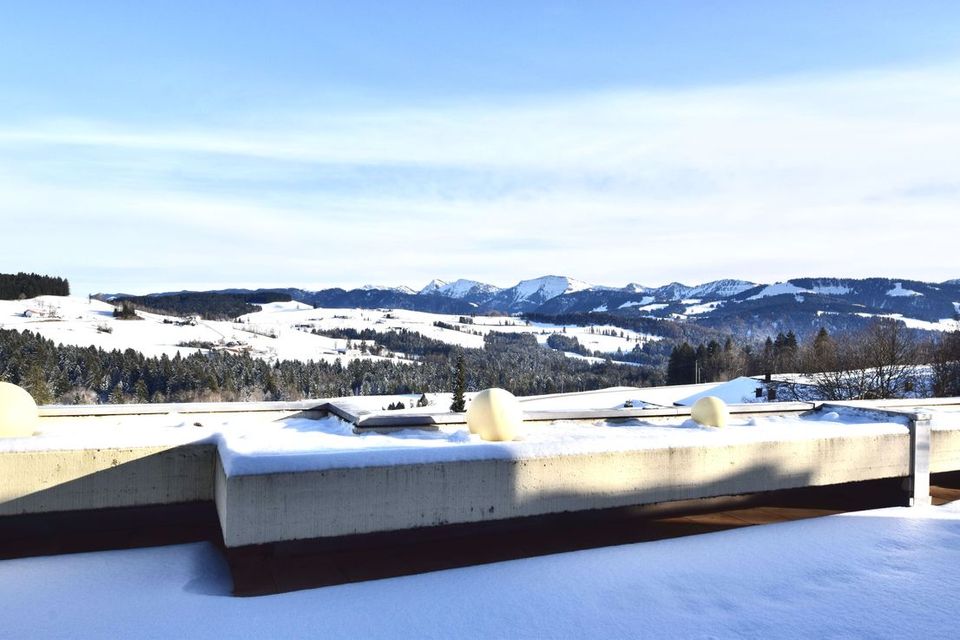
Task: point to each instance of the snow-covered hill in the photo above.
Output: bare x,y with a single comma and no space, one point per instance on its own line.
282,330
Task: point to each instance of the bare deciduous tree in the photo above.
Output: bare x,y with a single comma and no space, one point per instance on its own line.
878,363
945,365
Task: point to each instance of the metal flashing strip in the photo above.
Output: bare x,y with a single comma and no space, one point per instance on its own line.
85,411
387,421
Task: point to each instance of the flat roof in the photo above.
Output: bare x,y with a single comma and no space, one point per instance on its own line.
290,438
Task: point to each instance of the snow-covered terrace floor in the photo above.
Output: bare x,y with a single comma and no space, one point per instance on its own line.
875,574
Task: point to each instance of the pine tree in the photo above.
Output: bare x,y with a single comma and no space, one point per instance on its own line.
140,390
38,387
824,353
116,396
682,365
459,405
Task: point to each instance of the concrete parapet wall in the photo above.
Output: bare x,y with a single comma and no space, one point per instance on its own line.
72,480
289,506
273,507
944,450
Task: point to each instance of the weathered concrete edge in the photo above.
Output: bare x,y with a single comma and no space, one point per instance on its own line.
86,479
336,502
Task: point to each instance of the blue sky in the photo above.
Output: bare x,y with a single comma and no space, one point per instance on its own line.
153,146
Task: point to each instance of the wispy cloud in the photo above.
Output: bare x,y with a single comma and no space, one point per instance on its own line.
763,180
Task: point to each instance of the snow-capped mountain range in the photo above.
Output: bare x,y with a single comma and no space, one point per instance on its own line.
462,289
749,306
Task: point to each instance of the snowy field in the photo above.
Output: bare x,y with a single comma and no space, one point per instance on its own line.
280,331
889,573
945,324
82,322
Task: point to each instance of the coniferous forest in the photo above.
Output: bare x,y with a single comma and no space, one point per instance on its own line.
69,374
30,285
210,305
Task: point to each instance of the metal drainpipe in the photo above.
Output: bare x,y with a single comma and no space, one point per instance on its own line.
919,480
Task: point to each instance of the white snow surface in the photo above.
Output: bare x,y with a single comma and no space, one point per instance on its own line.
778,289
269,334
251,445
645,300
596,360
547,287
721,288
379,287
945,324
899,291
282,330
831,290
456,289
942,418
874,574
737,391
706,307
653,307
433,286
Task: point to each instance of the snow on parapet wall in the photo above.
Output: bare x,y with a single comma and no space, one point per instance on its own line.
250,444
899,292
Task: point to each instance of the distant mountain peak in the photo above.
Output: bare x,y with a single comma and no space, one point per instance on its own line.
433,287
546,287
672,291
377,287
460,288
720,288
